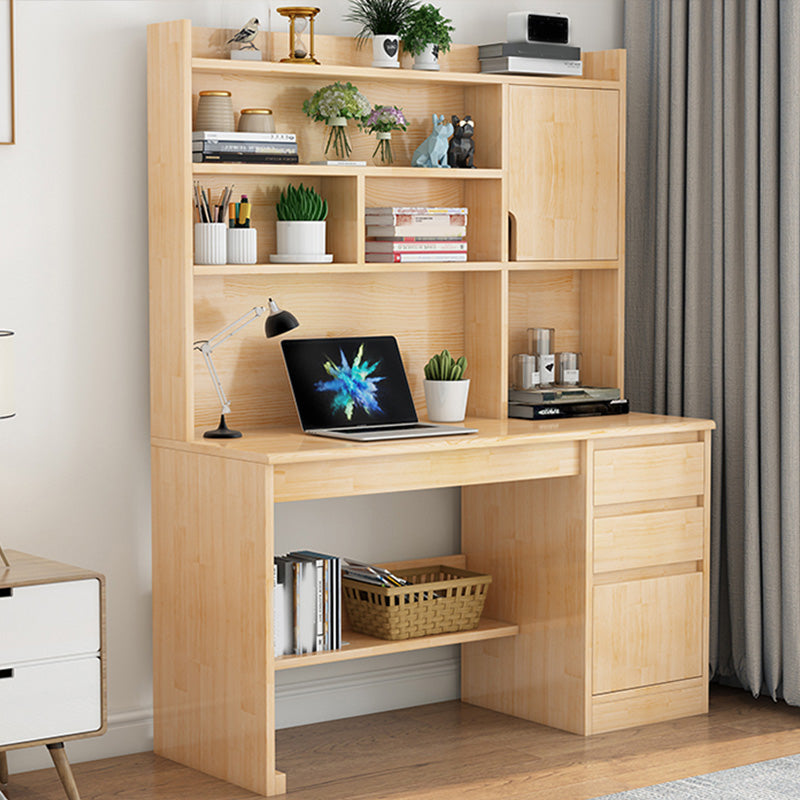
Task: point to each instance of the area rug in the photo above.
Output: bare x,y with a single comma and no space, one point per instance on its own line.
778,779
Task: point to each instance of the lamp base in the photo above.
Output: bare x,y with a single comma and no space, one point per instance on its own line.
222,431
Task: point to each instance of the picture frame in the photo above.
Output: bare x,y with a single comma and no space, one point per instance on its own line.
7,129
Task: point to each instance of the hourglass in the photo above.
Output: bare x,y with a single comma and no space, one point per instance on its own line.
301,25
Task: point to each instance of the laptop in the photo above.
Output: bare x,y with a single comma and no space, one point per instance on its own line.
355,388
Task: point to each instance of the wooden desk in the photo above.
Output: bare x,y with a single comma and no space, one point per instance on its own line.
594,530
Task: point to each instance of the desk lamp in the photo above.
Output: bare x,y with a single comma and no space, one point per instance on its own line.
6,389
278,322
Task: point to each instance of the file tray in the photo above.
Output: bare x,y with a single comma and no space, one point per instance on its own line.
440,600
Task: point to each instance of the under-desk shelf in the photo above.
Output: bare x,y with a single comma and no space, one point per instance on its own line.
362,646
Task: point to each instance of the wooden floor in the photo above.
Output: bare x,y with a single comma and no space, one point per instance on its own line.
451,751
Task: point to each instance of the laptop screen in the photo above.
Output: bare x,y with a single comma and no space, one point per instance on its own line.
348,382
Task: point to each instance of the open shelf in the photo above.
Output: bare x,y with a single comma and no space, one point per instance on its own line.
320,171
362,646
224,270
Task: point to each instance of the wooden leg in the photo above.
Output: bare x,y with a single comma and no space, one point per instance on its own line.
3,767
59,756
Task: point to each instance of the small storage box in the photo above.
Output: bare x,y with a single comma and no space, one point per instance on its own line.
441,600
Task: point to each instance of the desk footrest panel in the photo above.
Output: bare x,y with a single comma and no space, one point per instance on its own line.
44,701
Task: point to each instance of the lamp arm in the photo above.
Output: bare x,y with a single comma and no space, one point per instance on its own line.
223,399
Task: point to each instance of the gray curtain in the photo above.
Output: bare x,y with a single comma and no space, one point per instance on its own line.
713,294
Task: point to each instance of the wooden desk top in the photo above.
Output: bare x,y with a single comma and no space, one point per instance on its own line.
291,446
28,570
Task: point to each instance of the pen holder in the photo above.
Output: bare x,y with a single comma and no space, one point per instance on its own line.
242,245
209,243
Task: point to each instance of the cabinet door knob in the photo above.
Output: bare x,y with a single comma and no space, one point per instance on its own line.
6,673
6,592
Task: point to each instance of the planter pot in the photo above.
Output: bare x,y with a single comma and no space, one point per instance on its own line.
385,49
428,58
301,241
446,400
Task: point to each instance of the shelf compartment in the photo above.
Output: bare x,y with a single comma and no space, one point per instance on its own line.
223,270
362,646
318,170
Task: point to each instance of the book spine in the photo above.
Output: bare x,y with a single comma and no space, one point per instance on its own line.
416,247
417,230
382,211
319,643
450,240
278,148
422,220
245,158
277,612
241,136
564,52
296,589
413,258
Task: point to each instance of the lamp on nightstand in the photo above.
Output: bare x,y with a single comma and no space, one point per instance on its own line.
6,389
278,322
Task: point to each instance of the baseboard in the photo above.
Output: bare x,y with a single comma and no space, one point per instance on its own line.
299,703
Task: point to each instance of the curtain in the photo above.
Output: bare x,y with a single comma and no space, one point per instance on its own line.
713,295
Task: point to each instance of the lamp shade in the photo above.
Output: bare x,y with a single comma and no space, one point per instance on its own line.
6,374
278,321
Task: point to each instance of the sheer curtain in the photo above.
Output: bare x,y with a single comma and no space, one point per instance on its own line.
713,305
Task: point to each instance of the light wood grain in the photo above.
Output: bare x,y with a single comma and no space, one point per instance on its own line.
563,181
170,227
639,540
647,632
212,616
61,763
649,473
601,326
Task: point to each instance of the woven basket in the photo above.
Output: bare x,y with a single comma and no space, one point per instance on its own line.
452,600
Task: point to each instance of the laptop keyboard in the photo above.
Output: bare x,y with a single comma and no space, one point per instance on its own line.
383,428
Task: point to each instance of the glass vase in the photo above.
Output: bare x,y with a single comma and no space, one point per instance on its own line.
337,138
383,149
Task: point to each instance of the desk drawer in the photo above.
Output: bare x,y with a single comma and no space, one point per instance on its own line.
644,540
647,632
42,701
49,621
631,474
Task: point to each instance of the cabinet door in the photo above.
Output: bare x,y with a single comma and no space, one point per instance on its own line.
647,631
564,176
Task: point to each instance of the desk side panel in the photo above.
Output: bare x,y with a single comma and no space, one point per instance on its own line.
531,537
212,616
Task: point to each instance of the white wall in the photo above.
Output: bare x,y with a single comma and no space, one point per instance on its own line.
74,463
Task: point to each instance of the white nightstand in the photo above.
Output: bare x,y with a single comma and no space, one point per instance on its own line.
52,658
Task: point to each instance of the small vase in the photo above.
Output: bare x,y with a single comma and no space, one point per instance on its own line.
385,49
383,150
337,138
428,58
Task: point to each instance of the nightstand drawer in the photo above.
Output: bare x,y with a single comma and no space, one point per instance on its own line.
49,620
644,540
631,474
43,701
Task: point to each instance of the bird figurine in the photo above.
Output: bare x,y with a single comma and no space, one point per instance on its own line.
246,34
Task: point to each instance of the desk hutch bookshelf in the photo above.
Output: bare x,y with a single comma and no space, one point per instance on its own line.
595,530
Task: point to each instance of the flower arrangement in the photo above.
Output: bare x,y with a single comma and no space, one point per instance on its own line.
382,121
378,17
423,26
334,105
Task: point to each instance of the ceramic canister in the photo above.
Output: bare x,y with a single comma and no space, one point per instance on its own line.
256,120
214,112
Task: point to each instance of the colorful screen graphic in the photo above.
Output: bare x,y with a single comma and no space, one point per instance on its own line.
347,382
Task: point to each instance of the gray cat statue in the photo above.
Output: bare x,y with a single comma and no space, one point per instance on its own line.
462,148
433,151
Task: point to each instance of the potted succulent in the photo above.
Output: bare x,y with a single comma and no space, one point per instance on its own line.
334,105
382,20
446,388
300,226
425,34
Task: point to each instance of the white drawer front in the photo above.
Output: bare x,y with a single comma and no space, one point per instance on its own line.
50,620
41,701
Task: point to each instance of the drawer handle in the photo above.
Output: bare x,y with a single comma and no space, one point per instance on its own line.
6,592
6,673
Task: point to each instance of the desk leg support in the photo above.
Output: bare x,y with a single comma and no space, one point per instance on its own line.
3,768
64,770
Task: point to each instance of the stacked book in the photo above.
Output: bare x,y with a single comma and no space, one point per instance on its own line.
534,58
307,613
398,235
249,148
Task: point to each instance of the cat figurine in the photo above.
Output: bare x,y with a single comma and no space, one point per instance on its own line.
433,151
462,148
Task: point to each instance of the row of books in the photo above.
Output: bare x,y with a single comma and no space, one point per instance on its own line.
535,58
399,234
230,147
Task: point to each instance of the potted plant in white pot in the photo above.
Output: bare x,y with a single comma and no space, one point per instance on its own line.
446,388
425,34
300,228
382,20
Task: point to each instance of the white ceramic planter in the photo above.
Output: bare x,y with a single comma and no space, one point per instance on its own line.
301,238
428,58
446,400
385,51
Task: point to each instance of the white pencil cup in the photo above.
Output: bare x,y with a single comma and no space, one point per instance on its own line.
242,245
209,243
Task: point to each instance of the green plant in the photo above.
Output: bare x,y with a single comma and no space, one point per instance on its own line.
335,104
442,367
379,17
423,26
301,204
